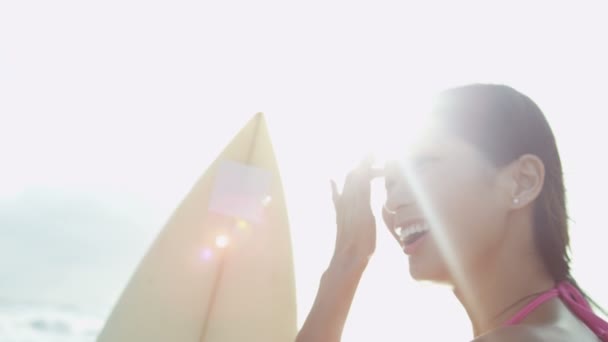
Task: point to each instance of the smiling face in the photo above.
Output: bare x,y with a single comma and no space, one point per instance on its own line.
446,185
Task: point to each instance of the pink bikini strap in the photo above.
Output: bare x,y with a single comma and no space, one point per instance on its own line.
519,316
581,308
575,301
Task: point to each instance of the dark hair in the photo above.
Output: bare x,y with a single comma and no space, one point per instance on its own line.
506,124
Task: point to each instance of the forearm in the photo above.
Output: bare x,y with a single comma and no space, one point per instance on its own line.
326,319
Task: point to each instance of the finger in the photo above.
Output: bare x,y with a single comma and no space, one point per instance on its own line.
376,172
356,198
349,194
364,193
349,183
336,200
356,194
364,184
334,192
366,167
362,200
369,175
358,183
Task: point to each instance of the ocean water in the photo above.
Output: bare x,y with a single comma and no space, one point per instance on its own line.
42,323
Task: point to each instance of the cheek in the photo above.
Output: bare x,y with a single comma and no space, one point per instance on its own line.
466,205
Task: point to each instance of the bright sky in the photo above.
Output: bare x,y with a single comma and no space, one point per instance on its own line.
110,111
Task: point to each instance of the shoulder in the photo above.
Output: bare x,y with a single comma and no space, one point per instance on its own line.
523,333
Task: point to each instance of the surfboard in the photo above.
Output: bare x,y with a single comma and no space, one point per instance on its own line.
221,270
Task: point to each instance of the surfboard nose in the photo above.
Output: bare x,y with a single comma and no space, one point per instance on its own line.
222,268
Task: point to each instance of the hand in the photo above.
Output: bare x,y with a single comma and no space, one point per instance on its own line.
356,224
355,243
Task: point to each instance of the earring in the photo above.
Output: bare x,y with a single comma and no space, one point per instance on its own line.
516,200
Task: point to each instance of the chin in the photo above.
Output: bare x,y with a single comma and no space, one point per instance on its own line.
429,272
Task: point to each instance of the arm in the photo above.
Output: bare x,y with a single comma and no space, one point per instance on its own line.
326,319
355,243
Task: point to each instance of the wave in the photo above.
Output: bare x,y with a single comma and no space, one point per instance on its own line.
43,323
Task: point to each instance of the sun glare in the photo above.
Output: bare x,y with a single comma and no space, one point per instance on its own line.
222,241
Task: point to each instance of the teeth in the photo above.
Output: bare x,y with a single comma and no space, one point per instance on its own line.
405,232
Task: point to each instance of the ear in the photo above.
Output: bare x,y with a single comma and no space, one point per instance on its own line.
528,176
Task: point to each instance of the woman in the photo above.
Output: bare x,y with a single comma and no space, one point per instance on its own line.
479,205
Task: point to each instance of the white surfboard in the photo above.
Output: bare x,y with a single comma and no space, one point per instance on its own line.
221,270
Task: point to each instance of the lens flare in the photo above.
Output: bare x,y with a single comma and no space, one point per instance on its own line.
206,254
242,224
266,201
446,247
222,241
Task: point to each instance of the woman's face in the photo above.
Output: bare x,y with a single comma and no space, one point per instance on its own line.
449,186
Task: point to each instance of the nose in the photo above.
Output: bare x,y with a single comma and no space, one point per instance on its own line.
399,199
399,193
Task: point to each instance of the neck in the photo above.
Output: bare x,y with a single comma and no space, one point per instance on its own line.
504,284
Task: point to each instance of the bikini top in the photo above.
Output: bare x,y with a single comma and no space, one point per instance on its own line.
575,302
